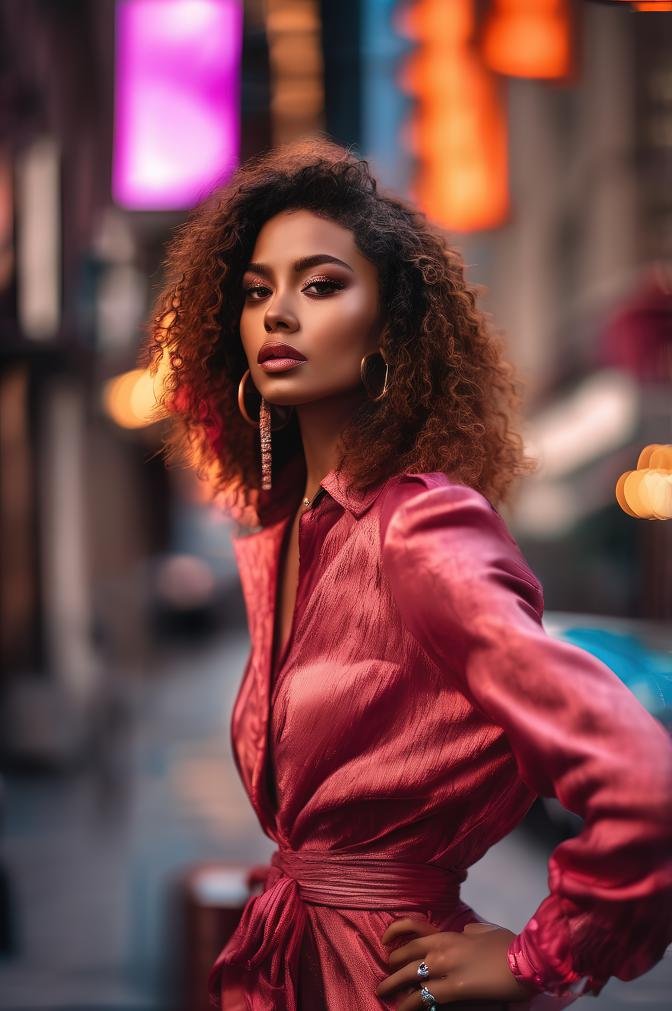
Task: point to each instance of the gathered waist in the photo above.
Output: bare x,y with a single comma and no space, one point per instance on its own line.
358,881
262,955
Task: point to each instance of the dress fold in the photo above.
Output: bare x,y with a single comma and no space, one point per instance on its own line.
417,712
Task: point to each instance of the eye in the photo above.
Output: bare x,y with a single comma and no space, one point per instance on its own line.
326,285
250,289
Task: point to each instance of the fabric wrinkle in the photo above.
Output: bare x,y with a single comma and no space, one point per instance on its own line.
416,714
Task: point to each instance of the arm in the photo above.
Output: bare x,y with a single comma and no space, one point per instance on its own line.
466,593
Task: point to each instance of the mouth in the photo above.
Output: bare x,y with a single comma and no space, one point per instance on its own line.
278,352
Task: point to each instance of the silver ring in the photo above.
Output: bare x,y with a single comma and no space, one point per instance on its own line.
427,997
423,970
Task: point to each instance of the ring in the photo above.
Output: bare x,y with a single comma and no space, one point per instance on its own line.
427,997
423,970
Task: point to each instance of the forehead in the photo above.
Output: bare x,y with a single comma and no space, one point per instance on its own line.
289,235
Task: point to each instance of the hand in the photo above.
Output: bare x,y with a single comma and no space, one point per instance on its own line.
469,965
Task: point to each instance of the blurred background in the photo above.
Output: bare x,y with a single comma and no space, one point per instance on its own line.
539,136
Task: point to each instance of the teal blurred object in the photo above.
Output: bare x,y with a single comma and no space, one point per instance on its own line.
646,672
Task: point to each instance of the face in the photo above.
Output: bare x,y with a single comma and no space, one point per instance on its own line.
326,308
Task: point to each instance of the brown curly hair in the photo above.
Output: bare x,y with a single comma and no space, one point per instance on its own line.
452,396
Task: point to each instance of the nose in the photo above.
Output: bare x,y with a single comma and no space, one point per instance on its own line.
279,317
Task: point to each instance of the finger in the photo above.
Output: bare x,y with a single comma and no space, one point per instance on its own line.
407,977
407,925
414,951
413,1001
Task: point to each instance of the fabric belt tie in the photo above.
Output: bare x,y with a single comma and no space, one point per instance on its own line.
262,955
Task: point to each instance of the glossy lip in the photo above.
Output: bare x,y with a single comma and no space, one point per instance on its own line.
279,364
276,349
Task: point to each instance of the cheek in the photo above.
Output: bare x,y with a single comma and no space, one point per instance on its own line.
342,323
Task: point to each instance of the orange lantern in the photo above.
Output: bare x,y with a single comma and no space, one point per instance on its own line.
529,38
458,130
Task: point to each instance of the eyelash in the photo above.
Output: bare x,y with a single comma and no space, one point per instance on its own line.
336,285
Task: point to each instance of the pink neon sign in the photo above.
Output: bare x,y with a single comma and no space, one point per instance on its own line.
176,118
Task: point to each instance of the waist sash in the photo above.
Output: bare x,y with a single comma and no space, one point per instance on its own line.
262,956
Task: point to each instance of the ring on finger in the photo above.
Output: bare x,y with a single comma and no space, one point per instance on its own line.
423,970
427,997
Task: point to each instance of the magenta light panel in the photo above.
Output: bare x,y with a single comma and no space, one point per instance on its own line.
176,118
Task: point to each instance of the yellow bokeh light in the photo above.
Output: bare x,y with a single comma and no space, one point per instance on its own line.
646,493
132,399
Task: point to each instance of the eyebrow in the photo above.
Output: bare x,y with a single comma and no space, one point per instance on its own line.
303,264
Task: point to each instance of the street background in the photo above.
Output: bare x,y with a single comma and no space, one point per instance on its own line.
539,136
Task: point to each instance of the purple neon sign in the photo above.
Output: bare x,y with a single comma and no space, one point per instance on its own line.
176,119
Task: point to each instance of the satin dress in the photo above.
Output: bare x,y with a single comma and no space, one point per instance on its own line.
416,712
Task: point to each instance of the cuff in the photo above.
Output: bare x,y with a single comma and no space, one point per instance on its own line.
554,982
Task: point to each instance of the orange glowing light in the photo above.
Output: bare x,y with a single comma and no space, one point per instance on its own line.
661,5
620,494
131,399
529,38
646,493
458,130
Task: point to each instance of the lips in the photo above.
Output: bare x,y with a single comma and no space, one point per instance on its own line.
275,349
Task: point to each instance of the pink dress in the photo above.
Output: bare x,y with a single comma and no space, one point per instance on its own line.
417,711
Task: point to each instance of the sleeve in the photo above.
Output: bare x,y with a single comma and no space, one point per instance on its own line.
466,593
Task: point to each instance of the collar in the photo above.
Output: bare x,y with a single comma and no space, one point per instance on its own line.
335,484
285,497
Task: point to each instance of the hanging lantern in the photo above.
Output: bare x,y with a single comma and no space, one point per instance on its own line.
529,38
457,132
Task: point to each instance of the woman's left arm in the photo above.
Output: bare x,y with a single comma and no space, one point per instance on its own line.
466,593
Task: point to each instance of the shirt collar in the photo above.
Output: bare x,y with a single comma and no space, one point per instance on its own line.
291,481
335,483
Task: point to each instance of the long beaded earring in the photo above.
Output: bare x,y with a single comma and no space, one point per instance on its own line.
264,424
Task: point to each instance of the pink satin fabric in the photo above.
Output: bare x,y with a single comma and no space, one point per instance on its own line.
417,710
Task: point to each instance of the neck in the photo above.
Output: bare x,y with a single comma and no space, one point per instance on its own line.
321,424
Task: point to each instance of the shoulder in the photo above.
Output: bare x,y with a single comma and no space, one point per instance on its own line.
431,516
406,496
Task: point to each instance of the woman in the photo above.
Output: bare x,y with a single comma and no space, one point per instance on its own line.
402,707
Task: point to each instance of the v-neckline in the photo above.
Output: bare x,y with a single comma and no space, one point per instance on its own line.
277,662
276,666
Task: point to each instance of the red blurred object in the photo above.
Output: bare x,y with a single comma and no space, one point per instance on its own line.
211,899
638,336
529,38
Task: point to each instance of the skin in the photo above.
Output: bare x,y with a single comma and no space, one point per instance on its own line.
464,966
329,312
332,326
334,322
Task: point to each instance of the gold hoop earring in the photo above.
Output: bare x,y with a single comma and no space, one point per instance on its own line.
264,424
243,409
362,369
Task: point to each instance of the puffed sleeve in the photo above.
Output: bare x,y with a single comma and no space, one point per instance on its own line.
466,593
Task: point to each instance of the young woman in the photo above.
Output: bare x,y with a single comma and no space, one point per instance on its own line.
402,706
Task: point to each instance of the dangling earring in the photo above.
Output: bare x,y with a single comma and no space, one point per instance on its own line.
362,369
264,425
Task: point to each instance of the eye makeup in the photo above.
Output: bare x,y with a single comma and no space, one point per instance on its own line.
331,282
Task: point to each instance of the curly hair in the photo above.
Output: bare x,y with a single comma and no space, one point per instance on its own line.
452,398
